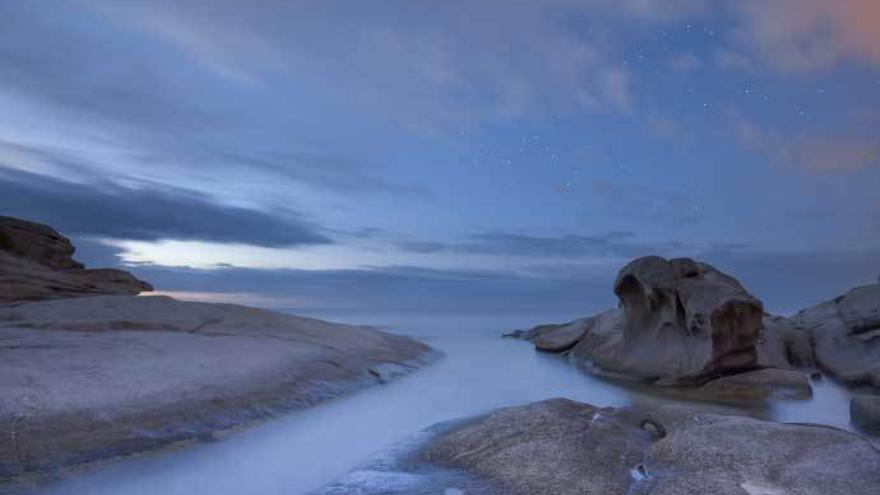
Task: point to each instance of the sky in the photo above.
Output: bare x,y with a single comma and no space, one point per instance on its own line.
473,156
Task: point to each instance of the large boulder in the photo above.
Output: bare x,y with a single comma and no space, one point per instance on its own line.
36,263
846,335
562,447
678,321
684,322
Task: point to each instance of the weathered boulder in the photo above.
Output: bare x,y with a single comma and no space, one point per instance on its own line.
683,322
783,344
36,263
846,335
864,411
760,384
679,321
562,447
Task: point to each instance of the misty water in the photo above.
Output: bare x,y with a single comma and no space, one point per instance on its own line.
305,450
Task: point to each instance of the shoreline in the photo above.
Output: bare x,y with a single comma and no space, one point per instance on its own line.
42,445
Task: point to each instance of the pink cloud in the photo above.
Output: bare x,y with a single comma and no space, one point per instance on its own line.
797,35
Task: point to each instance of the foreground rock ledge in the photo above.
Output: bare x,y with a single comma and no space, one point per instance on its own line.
562,447
91,378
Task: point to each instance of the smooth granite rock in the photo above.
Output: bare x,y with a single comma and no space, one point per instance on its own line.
561,447
90,378
679,321
846,335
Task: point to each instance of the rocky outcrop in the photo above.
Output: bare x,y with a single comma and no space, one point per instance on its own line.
846,335
683,322
90,378
865,412
562,447
678,322
36,263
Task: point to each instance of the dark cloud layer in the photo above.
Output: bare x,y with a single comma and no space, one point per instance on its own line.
568,246
110,210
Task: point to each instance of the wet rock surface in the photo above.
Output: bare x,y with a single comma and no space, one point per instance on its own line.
36,263
562,447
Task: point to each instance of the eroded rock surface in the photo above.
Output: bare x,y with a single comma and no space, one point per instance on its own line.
562,447
846,335
36,263
683,322
96,377
678,321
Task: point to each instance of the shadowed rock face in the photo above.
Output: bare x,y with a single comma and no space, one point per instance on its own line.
36,262
846,335
678,321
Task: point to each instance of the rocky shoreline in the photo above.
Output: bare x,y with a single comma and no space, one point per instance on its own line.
97,376
564,447
684,323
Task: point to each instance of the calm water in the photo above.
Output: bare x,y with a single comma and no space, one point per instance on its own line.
308,449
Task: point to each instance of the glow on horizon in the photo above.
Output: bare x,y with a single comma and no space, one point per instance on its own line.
210,255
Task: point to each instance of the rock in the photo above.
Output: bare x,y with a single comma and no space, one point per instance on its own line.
38,243
864,411
679,321
561,447
558,447
562,337
535,332
783,344
846,335
89,378
36,263
760,384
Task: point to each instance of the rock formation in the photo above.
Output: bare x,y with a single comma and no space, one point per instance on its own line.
36,262
846,335
562,447
671,450
683,322
678,321
89,378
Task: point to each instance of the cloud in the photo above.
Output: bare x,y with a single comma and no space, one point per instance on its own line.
672,207
798,35
105,209
785,281
815,152
572,246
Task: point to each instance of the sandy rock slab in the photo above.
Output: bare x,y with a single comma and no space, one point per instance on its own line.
92,378
562,447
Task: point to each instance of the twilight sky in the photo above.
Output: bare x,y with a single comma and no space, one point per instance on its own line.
499,155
